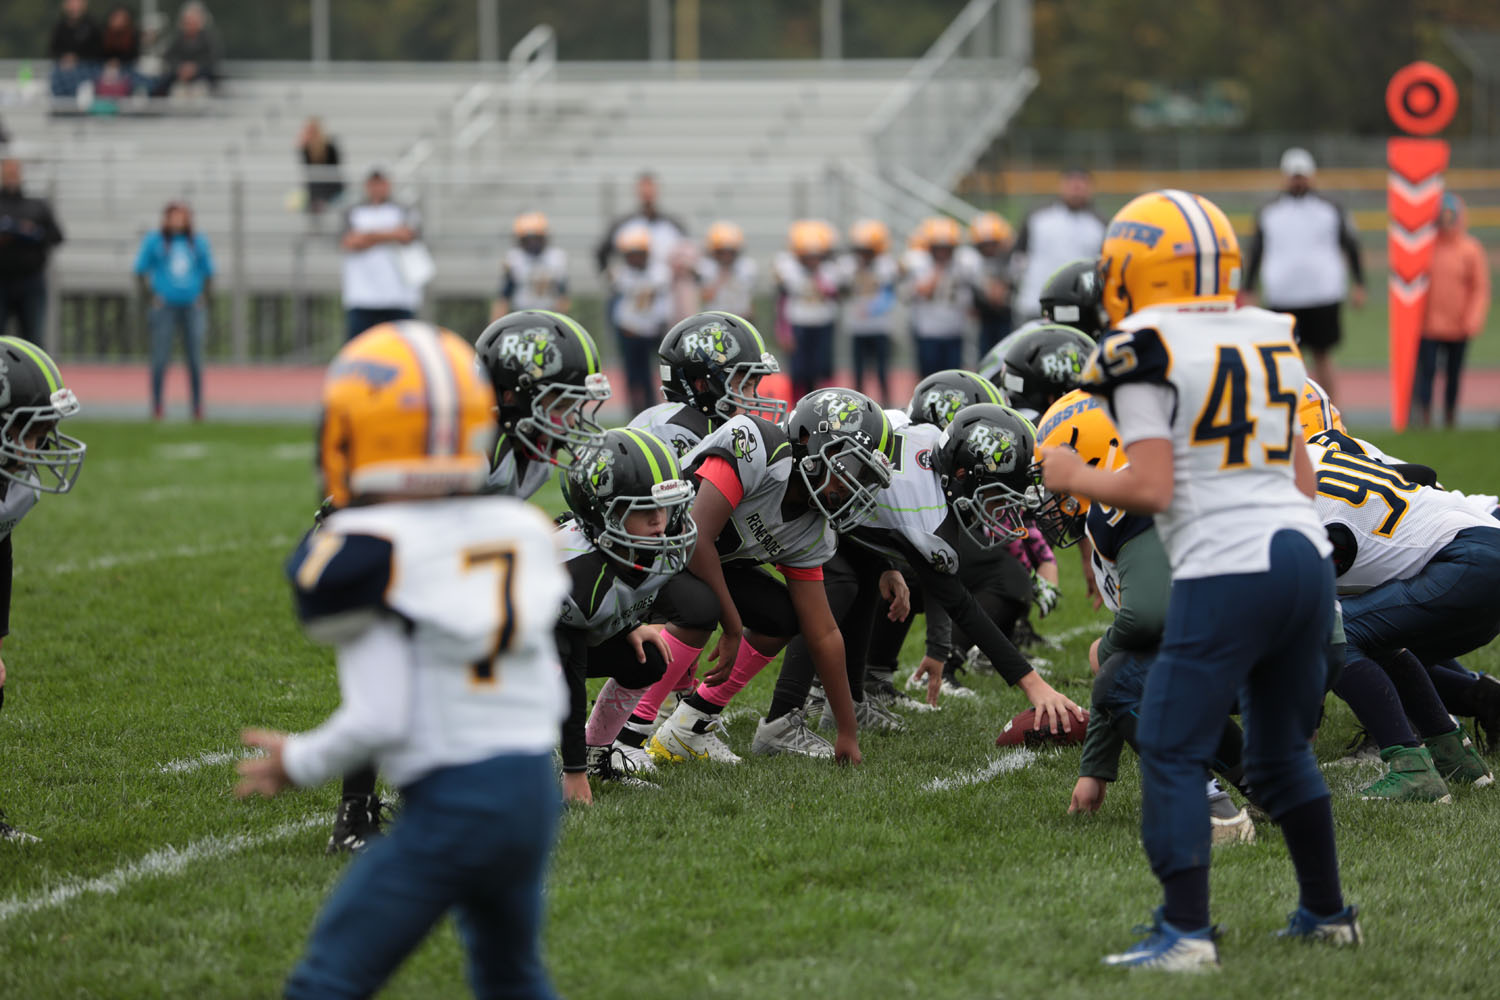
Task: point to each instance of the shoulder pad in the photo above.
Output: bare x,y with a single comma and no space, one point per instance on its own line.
1110,529
1126,356
589,578
1336,440
335,574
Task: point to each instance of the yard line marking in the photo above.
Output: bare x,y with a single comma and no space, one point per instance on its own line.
1075,632
167,861
153,555
291,451
1004,764
206,759
182,451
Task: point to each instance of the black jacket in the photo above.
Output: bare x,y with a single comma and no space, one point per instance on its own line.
78,38
28,232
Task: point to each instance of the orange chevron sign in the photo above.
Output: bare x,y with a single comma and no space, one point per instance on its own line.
1421,99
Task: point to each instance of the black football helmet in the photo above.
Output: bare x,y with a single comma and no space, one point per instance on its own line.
988,474
940,396
1043,365
843,445
713,362
551,366
994,359
624,472
33,452
1072,297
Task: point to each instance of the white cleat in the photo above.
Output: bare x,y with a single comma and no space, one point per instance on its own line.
789,734
638,758
690,735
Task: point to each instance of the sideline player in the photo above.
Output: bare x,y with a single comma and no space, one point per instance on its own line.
441,605
1205,399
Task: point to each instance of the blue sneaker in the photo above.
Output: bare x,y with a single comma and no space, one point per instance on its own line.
1340,929
1169,949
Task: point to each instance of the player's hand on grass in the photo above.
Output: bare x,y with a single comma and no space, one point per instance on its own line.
644,635
894,589
723,657
932,669
846,749
1088,796
262,775
1055,711
576,788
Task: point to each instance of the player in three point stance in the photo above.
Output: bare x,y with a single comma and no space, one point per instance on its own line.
35,458
629,538
441,605
1205,398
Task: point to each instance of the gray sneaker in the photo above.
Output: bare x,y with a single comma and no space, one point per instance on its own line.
882,692
789,734
868,716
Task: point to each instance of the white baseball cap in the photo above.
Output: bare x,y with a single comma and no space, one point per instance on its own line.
1298,162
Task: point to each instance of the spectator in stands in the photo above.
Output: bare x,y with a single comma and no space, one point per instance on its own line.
1054,234
1304,249
868,276
640,297
986,264
175,269
665,231
807,283
1458,299
28,232
119,50
320,158
942,299
535,272
375,286
726,276
74,48
192,56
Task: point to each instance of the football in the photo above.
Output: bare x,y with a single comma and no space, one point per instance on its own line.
1022,731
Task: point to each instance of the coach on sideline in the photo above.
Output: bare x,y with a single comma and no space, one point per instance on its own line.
1304,249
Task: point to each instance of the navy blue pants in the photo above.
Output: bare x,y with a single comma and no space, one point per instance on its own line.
1262,637
1450,608
936,354
474,839
872,351
638,355
812,358
25,298
357,321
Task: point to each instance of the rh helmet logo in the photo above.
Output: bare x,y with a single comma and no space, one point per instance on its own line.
710,343
1065,363
997,447
534,350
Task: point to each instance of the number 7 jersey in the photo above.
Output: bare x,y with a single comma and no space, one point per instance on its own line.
1231,380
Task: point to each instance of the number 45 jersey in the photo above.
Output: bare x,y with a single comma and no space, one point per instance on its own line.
1222,384
476,584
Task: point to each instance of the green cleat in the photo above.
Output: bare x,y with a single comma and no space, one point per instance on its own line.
1456,759
1411,778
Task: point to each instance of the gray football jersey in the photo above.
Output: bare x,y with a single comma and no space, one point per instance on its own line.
678,424
758,529
17,501
601,604
913,506
504,477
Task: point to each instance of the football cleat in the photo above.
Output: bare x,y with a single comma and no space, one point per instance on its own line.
1486,698
1168,949
789,734
955,688
669,705
868,716
10,833
610,763
1361,750
1411,778
690,735
1341,929
355,825
1456,759
882,692
639,759
1230,823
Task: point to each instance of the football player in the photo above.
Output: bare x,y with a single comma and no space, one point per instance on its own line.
1204,395
726,275
779,494
534,275
548,386
629,536
868,276
1071,297
441,605
35,458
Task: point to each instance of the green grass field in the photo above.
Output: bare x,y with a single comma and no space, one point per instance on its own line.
151,623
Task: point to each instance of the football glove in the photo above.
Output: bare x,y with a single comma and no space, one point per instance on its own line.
1043,594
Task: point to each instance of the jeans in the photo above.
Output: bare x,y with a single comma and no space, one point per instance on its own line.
357,321
165,321
1427,362
936,354
25,298
474,839
1272,654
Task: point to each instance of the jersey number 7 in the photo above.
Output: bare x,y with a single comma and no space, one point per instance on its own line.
1226,413
503,557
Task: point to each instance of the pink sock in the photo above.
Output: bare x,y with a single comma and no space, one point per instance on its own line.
611,709
682,660
747,664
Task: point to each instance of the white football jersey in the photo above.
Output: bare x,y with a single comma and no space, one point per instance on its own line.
757,530
1487,504
913,506
1232,379
870,305
643,304
515,473
1397,526
732,291
16,502
535,281
811,298
476,584
602,603
679,425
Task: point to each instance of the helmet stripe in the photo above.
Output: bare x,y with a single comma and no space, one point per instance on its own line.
590,352
656,475
989,388
442,387
1205,239
45,363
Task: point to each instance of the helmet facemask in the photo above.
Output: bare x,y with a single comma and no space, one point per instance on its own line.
994,513
1060,517
663,554
563,418
34,452
856,472
742,391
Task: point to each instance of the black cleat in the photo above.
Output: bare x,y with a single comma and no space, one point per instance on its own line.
356,824
1486,698
10,833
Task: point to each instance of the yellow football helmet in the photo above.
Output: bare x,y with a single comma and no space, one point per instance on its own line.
407,412
940,231
725,236
1168,246
1317,412
871,235
1079,421
989,227
811,237
634,238
530,224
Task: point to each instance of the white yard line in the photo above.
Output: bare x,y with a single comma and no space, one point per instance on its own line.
183,451
207,759
168,861
1004,764
113,560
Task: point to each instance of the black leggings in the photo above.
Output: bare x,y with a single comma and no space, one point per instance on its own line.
1427,362
887,637
872,350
